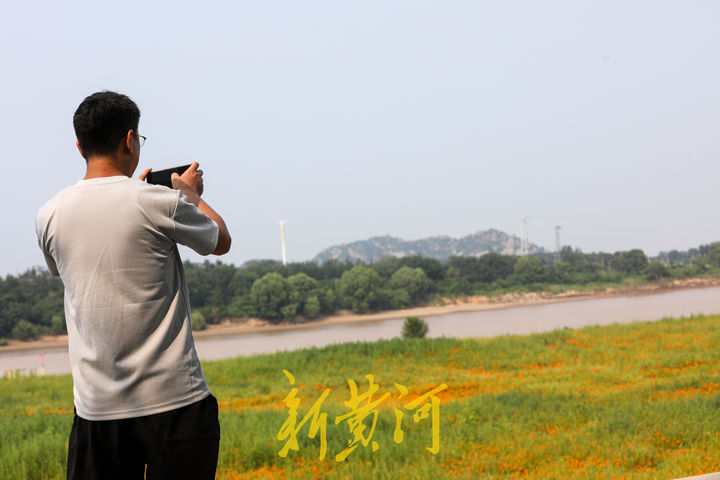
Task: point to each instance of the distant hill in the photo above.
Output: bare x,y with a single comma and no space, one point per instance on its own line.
441,248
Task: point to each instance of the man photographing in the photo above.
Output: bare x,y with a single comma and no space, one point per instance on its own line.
141,399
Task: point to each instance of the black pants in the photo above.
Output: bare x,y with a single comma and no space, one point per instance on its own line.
179,444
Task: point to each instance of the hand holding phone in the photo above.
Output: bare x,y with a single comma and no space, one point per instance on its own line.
191,179
164,177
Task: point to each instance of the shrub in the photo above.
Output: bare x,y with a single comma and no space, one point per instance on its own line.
3,342
414,327
25,330
197,321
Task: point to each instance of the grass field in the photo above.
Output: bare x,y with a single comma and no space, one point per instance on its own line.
639,401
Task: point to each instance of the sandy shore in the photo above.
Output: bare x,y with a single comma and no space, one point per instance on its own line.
446,306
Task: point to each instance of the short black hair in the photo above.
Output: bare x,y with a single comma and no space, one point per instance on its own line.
101,121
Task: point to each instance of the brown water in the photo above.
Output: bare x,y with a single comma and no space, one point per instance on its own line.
488,323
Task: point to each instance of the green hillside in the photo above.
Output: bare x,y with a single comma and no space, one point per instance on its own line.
438,248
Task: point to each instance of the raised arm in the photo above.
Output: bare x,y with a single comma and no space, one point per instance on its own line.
191,185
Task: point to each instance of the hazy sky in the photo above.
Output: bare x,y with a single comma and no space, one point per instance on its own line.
409,118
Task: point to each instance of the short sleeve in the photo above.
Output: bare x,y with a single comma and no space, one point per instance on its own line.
52,267
193,228
41,229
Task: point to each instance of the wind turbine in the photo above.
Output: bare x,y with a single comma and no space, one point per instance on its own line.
282,240
558,245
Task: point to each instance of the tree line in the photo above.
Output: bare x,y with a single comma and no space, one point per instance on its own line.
31,304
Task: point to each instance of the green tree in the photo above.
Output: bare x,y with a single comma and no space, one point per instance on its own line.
328,301
412,280
333,268
302,287
241,282
492,267
34,296
414,327
312,307
358,288
434,269
464,267
632,261
530,269
386,266
199,283
213,314
303,284
262,267
576,258
242,306
713,254
392,298
270,294
488,268
564,269
289,311
655,271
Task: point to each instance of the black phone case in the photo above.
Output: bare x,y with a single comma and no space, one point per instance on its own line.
162,177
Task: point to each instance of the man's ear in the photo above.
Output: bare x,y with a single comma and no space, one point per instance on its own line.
128,142
77,144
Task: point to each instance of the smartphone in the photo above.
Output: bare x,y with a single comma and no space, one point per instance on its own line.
162,177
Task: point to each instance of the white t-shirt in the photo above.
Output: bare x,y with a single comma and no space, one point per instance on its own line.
113,241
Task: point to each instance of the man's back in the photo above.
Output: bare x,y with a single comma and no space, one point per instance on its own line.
113,242
143,408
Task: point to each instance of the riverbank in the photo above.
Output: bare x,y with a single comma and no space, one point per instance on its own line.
443,307
472,303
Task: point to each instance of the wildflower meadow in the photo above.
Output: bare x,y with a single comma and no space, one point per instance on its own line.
636,401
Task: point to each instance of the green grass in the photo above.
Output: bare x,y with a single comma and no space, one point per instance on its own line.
638,401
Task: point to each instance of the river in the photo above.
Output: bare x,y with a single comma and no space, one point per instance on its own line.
486,323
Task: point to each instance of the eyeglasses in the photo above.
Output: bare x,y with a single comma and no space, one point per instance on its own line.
141,139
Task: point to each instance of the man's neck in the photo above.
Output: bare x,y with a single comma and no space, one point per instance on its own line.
98,167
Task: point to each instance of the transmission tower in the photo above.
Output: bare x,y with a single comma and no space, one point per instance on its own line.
524,237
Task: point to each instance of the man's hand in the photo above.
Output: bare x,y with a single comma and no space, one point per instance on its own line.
144,174
190,184
191,178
